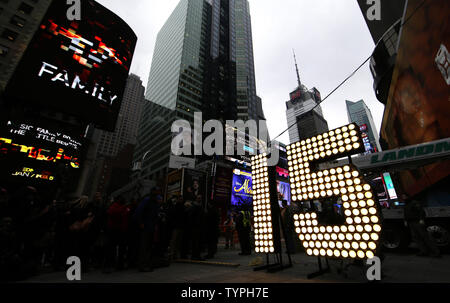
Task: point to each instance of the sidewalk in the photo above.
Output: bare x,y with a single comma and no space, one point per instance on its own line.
396,268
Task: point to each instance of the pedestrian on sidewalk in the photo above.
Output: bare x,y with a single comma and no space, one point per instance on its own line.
178,219
186,239
196,221
80,218
117,228
287,215
133,234
212,230
243,229
229,225
147,216
415,220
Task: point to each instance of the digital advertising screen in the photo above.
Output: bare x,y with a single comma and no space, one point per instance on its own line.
241,189
379,189
222,186
79,68
284,192
194,185
417,108
390,186
33,152
173,187
282,172
366,140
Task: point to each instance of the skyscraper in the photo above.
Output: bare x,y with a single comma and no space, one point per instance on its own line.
128,120
359,113
304,111
18,23
203,62
115,149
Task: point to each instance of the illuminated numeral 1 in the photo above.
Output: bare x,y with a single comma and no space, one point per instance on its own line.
262,211
358,237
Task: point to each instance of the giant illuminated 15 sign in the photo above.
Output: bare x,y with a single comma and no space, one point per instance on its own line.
358,237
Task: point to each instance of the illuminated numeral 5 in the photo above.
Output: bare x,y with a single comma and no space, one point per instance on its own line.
358,237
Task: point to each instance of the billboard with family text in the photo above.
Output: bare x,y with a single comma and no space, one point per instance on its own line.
79,68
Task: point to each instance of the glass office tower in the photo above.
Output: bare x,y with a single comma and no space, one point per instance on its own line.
359,113
203,62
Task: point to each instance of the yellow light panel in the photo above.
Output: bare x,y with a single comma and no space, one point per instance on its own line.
261,198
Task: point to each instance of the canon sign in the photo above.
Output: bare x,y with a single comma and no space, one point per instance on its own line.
76,67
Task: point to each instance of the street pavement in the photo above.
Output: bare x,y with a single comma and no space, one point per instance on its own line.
229,267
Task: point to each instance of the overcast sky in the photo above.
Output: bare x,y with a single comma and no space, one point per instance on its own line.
330,38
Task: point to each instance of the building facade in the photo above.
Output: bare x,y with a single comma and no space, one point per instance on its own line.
203,62
18,23
114,150
153,150
359,113
111,143
304,114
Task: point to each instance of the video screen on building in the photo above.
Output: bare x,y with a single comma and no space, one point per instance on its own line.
417,109
390,186
241,189
34,152
76,67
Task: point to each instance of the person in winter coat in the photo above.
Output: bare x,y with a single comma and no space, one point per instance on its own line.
178,219
117,227
147,216
229,225
196,222
415,220
212,222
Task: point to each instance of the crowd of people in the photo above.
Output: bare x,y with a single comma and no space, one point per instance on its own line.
115,234
145,233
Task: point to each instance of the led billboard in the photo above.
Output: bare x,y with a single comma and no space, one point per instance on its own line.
241,189
76,67
284,192
38,152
